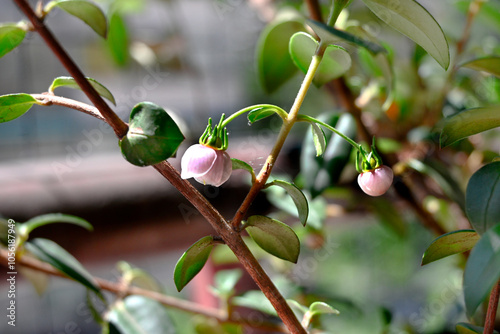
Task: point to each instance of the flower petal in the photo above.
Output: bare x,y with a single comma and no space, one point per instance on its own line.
197,161
376,182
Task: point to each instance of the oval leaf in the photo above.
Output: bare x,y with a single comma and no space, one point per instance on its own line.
336,61
488,64
319,139
139,314
414,21
71,83
274,237
449,244
297,196
118,39
11,35
192,261
153,135
50,252
85,11
259,113
463,328
469,122
238,164
322,308
482,270
274,64
14,105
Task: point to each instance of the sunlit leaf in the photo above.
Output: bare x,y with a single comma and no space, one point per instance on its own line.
482,270
51,218
118,39
297,196
336,61
274,64
192,261
265,111
140,315
238,164
318,138
14,105
255,300
274,237
11,35
487,64
469,122
483,196
414,21
449,244
50,252
153,135
71,83
86,11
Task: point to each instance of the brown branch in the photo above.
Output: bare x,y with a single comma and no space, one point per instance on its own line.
111,118
123,290
230,237
47,100
491,314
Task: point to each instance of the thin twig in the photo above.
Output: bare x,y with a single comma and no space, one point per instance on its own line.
125,290
489,325
47,100
230,237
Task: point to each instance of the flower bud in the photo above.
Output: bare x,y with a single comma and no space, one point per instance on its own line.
377,181
206,164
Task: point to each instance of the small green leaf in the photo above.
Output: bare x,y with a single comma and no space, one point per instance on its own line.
331,35
482,270
13,106
274,237
140,315
463,328
319,139
449,244
71,83
336,61
482,197
118,40
469,122
11,35
153,135
263,112
273,61
26,228
297,196
322,308
192,261
86,11
414,21
238,164
487,64
50,252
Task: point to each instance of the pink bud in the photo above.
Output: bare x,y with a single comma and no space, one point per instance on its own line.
206,165
377,181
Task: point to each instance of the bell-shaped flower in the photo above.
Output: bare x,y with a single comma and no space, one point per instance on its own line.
206,164
377,181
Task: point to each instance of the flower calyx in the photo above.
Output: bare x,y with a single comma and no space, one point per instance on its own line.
216,137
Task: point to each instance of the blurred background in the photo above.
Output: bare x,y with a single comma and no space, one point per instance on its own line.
196,58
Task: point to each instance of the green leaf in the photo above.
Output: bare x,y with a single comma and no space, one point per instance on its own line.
192,261
274,64
11,35
469,122
225,281
331,35
322,308
463,328
487,64
297,196
255,300
153,135
50,252
238,164
86,11
482,197
449,244
263,112
414,21
118,40
274,237
482,270
336,61
71,83
26,228
14,105
319,139
138,277
140,315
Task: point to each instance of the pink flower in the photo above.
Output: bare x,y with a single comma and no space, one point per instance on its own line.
206,164
377,181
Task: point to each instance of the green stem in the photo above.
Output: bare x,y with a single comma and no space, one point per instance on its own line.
283,114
